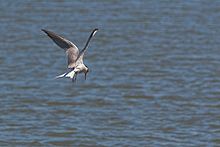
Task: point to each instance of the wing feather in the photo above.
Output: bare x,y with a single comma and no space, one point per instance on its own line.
79,59
71,49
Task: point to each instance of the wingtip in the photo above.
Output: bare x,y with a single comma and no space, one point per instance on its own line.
44,30
96,29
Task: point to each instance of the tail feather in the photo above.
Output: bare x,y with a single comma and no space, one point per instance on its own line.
69,74
60,76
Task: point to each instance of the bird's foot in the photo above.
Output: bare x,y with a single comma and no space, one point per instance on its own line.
74,78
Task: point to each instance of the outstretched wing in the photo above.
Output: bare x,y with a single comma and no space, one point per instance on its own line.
71,50
79,59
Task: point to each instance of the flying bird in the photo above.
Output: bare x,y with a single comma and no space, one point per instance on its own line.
74,56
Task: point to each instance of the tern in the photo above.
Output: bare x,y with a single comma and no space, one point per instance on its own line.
74,56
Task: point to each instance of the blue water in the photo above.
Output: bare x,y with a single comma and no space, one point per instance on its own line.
154,80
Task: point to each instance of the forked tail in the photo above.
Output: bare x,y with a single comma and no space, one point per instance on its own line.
69,74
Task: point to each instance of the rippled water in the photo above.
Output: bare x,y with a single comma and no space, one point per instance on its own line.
154,80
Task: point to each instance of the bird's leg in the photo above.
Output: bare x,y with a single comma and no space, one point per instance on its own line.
74,78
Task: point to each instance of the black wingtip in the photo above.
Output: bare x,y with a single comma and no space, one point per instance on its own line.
47,32
96,29
44,30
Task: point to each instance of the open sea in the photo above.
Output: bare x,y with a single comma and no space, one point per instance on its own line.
154,75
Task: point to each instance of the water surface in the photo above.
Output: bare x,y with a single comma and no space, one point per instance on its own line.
154,80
